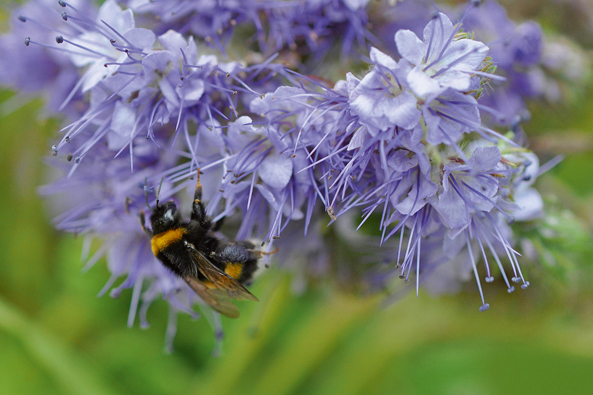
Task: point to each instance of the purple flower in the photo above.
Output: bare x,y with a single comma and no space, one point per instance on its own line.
154,112
400,143
441,60
320,24
515,51
264,180
213,21
402,147
468,188
37,23
381,99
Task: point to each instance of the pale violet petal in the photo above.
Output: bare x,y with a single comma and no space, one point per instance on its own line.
358,138
122,125
530,205
191,51
169,93
452,209
485,158
158,60
465,54
402,110
229,67
378,57
276,170
173,42
355,4
141,38
94,42
269,196
402,160
112,14
191,91
208,60
409,46
438,32
422,85
351,83
94,75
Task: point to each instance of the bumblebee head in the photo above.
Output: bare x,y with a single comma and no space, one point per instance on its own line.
164,217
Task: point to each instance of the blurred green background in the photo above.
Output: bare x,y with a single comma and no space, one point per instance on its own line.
57,337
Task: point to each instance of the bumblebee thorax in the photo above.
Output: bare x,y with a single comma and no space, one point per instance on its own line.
164,239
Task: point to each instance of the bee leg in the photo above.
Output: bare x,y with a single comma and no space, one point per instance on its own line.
218,224
143,224
198,211
258,254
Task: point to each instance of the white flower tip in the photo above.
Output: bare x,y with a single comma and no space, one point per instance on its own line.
484,307
526,285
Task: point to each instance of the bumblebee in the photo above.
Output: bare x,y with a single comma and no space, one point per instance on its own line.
215,270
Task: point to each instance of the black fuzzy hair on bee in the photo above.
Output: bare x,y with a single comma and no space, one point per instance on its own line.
216,270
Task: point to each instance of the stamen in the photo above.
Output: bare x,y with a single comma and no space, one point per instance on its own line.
29,41
489,277
454,62
131,46
61,39
485,305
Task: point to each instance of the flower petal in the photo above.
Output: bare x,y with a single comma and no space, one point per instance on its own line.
276,170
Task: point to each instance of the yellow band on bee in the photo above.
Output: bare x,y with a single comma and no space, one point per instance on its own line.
233,269
165,239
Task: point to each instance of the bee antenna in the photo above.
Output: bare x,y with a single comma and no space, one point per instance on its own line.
158,193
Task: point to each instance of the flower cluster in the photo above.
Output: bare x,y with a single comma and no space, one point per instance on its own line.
403,146
307,28
518,51
533,66
406,143
152,108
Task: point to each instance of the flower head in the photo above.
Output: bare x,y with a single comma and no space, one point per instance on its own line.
441,60
403,146
31,25
154,114
406,143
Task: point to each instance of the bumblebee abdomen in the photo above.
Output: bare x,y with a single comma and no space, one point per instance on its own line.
165,239
234,270
241,271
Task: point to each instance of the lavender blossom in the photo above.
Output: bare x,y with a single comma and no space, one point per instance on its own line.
320,24
516,51
377,139
31,25
155,112
213,21
403,146
271,25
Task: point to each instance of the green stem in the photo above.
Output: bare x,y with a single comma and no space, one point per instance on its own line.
67,368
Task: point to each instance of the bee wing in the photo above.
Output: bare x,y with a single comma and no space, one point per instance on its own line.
214,297
220,279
